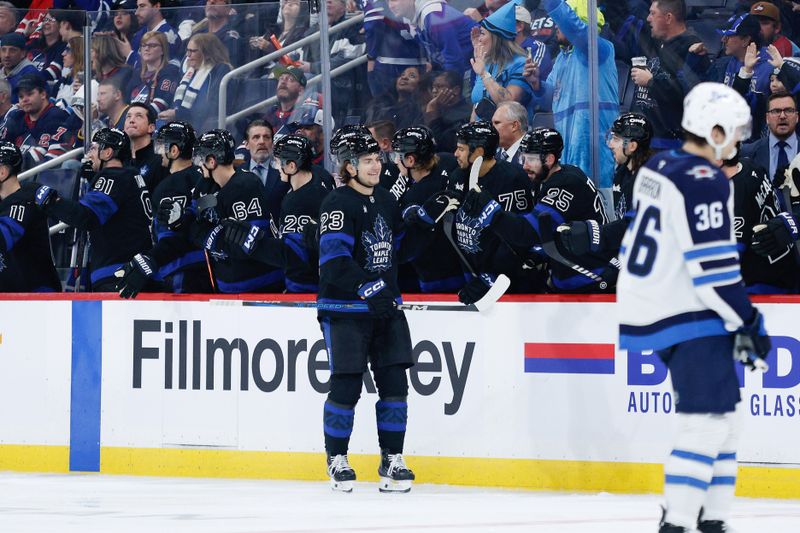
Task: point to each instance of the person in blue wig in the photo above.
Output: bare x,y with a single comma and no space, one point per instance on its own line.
498,63
566,91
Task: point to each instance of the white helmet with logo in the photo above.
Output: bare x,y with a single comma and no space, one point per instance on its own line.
710,105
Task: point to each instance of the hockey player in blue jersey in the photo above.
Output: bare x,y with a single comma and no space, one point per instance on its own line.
680,293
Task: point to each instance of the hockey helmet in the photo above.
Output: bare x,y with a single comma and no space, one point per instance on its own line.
633,127
345,132
710,105
415,140
481,133
117,140
542,141
294,148
218,144
351,148
177,133
10,156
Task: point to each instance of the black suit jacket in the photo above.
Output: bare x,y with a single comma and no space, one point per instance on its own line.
758,151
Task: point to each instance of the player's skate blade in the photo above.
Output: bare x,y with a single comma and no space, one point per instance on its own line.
394,475
341,474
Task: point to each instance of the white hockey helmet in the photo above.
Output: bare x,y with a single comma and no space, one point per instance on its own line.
710,105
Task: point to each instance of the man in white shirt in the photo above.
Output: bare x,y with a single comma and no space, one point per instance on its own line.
511,122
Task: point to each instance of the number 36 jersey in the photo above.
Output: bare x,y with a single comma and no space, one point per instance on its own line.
680,277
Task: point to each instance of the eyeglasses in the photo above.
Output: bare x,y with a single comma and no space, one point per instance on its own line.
788,111
150,46
190,51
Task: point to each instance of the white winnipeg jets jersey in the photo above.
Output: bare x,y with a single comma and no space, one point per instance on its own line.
680,277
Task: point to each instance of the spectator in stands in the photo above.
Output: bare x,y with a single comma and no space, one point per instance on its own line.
309,125
443,31
108,62
391,47
484,10
197,98
345,46
125,23
660,86
293,25
498,63
447,110
383,131
219,22
154,83
403,105
745,33
12,57
511,122
37,127
543,29
111,104
46,52
5,99
72,73
774,152
291,83
140,124
769,17
536,49
8,17
150,18
70,23
568,93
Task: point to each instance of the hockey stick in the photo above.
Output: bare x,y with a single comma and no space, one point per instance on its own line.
343,306
502,283
550,248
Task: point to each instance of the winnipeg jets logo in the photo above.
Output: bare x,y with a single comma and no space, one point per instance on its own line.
468,233
378,246
701,172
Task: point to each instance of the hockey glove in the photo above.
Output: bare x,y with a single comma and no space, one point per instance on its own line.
210,244
476,201
135,275
311,236
242,234
170,214
432,211
46,197
207,209
380,302
752,344
774,237
580,237
475,289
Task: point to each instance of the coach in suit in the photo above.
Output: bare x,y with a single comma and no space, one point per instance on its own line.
511,122
777,149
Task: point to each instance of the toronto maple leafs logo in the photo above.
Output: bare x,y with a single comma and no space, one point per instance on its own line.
378,245
468,232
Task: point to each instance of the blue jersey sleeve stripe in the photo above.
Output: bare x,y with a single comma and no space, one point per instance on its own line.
11,231
714,278
558,216
295,242
698,253
333,245
102,205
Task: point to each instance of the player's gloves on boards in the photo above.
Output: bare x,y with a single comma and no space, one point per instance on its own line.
752,344
242,234
134,275
475,289
580,237
170,214
45,197
775,236
480,204
380,302
432,211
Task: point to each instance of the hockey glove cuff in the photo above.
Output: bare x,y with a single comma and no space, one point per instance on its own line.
135,275
415,215
774,237
580,237
380,301
752,342
46,197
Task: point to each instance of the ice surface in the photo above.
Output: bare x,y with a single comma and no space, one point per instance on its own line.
81,503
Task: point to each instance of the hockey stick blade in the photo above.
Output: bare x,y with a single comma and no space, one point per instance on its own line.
550,248
344,307
498,289
474,173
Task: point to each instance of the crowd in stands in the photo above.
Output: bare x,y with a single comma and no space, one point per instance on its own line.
514,66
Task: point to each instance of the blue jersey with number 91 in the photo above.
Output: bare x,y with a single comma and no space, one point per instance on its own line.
680,277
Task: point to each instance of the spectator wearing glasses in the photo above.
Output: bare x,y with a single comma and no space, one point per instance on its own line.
123,19
774,152
197,98
150,18
46,52
155,81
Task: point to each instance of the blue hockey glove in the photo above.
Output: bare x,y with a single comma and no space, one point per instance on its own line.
135,275
775,236
46,197
580,237
380,302
752,344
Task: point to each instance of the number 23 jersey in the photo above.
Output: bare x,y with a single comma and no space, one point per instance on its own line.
680,277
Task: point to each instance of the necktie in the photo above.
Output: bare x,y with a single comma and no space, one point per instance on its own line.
259,170
783,159
503,155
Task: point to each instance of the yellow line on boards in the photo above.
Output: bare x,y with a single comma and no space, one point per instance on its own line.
34,458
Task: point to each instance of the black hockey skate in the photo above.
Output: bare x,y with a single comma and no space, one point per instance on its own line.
395,475
666,527
713,526
341,473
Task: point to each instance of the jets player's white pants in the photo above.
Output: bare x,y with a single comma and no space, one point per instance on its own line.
701,470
